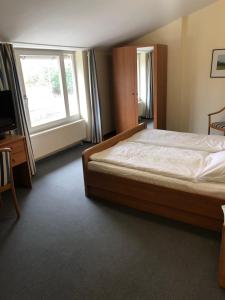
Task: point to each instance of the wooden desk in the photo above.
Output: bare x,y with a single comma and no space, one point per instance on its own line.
20,160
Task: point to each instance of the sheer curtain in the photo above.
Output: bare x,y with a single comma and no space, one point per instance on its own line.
9,80
149,86
96,123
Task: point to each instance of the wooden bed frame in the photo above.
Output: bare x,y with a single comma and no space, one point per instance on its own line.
199,210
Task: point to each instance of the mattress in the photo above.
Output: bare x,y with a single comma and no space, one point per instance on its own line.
191,157
182,161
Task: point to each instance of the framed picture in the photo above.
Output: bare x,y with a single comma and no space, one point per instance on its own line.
218,63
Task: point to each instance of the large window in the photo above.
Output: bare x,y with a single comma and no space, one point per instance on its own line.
48,80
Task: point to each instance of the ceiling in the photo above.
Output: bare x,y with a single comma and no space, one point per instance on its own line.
87,23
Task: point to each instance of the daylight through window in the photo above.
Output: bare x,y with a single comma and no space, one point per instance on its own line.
50,89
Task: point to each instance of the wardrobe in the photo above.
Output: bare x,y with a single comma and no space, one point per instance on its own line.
125,86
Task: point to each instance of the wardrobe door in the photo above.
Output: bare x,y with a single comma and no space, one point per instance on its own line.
125,87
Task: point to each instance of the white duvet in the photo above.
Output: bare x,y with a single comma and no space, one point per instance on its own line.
209,143
192,157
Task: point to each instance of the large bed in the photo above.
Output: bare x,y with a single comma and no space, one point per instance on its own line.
175,175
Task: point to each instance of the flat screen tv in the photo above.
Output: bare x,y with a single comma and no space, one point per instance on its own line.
7,113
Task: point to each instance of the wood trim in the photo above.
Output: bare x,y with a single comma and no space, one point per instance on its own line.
160,86
27,166
15,202
216,128
217,112
20,158
125,86
10,186
194,209
5,187
5,150
222,259
210,124
161,210
107,144
149,193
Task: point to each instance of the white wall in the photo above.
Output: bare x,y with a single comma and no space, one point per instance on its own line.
192,94
202,32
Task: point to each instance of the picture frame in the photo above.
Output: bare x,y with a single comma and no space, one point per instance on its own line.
218,63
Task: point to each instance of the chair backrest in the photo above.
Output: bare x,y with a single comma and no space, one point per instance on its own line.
5,167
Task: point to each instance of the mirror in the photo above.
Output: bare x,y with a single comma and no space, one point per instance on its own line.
145,84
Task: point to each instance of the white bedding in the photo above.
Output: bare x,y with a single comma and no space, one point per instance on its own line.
185,156
212,189
208,143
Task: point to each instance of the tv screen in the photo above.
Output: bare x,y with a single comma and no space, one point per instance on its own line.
7,113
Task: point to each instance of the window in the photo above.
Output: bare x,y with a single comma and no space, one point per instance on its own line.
49,85
141,80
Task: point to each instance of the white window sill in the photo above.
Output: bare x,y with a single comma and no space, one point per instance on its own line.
56,128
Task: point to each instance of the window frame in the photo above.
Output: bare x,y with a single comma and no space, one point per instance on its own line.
60,53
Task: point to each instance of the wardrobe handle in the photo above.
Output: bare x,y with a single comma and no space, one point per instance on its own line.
133,93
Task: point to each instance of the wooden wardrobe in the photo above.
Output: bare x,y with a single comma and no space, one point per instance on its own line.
125,86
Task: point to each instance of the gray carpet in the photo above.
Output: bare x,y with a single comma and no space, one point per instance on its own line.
66,246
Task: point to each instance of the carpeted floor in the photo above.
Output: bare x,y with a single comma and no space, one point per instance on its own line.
66,246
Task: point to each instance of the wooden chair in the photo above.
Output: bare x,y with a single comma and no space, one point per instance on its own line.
216,125
6,176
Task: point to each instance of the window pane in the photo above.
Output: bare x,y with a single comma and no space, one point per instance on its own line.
43,84
70,84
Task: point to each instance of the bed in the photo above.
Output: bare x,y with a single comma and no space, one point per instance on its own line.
175,175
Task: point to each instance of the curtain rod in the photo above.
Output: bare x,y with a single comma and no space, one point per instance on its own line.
46,46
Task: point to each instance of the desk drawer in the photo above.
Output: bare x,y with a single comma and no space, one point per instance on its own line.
18,158
17,146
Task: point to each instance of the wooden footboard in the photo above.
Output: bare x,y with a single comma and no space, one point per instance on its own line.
222,256
198,210
189,208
